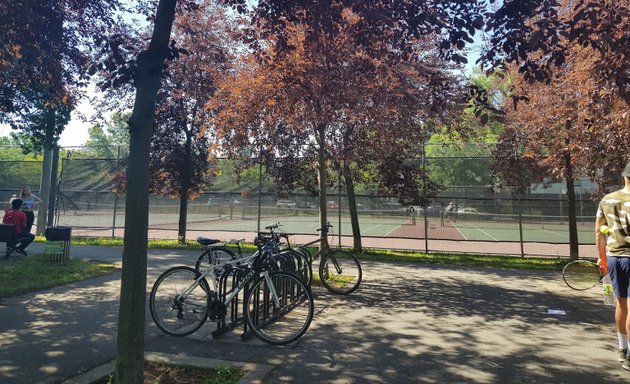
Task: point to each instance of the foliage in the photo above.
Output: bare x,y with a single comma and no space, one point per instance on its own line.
180,157
538,38
43,59
360,106
108,141
561,119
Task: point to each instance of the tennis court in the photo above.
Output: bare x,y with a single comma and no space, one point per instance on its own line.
388,224
510,230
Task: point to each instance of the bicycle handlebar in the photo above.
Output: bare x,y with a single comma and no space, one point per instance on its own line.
325,227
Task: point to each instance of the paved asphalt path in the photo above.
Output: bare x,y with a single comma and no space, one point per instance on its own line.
407,323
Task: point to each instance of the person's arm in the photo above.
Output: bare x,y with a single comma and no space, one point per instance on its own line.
36,200
600,243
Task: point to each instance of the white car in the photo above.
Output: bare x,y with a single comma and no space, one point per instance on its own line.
283,203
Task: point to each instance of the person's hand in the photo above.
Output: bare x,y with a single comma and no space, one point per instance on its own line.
603,266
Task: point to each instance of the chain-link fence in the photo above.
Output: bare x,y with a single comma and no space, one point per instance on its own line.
468,216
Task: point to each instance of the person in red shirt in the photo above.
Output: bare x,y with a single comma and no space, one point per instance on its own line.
22,238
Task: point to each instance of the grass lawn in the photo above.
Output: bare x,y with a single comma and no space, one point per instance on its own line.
33,273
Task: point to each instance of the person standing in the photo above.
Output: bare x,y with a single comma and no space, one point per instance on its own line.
22,238
612,228
29,202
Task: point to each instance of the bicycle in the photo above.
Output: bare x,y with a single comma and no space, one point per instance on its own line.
339,271
278,306
215,253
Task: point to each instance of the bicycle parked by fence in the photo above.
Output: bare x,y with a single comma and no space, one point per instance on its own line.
277,305
339,271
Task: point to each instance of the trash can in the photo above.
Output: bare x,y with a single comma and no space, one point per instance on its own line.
58,243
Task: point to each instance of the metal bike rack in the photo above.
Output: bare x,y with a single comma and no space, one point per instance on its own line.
235,312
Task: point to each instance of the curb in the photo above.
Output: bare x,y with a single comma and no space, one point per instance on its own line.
254,373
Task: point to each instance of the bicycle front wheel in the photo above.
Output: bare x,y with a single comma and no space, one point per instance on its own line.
213,257
279,308
340,272
581,274
178,303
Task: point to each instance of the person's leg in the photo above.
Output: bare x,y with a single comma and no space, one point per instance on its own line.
620,285
24,239
623,320
30,219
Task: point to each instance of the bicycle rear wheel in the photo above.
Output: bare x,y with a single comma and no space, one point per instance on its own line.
212,257
178,304
279,309
340,272
581,274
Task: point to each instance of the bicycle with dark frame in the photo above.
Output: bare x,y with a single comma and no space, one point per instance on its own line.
339,271
277,305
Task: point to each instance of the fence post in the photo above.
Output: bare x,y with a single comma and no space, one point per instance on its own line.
339,205
259,194
115,199
520,226
424,185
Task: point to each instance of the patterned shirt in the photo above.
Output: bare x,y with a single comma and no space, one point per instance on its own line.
615,207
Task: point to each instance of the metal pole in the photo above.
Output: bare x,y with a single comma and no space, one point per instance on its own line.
339,205
259,193
520,227
115,199
424,182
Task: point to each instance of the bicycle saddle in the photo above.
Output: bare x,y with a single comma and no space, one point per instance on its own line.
206,241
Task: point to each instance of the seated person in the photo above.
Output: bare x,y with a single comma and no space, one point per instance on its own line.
22,238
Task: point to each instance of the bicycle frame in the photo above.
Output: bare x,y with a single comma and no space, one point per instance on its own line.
250,276
324,249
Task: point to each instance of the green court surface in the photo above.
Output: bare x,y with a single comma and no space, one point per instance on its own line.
477,227
378,227
505,231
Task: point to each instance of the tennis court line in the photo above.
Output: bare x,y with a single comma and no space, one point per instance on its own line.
471,226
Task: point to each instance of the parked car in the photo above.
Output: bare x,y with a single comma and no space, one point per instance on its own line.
467,210
284,203
331,204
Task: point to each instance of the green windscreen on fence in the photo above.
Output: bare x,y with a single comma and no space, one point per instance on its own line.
15,174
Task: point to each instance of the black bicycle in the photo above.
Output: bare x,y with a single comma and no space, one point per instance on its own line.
278,306
216,253
339,271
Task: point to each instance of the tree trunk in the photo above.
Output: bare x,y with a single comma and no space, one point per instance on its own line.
573,232
321,173
44,187
52,195
352,205
131,315
185,188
